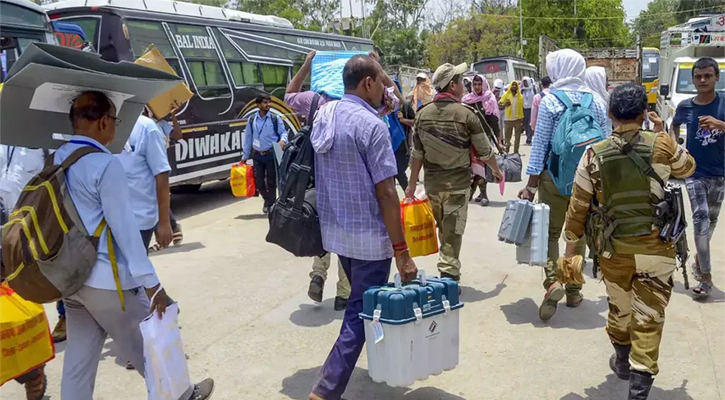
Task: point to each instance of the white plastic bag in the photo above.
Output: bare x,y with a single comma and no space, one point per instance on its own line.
167,373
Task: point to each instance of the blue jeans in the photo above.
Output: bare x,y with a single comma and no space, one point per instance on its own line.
706,197
61,309
340,363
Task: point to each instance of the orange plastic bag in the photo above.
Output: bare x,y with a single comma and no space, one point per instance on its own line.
25,339
419,227
242,180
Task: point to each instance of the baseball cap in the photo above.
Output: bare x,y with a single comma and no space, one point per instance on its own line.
445,73
422,75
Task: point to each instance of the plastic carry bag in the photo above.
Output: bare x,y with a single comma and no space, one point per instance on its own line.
419,227
326,72
24,335
167,373
242,180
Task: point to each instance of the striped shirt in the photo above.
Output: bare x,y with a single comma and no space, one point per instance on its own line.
550,111
668,160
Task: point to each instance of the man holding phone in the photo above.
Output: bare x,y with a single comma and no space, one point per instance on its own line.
705,118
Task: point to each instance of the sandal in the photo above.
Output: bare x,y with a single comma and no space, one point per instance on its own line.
702,290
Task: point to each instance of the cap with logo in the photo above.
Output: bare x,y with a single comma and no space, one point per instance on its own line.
445,73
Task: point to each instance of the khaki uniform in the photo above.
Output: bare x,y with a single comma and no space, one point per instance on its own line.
445,131
320,265
638,276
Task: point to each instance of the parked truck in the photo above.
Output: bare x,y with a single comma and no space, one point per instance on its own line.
680,47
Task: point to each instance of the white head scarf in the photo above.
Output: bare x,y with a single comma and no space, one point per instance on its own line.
566,68
498,84
596,79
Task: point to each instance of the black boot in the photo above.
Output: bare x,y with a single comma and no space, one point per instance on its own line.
619,362
640,384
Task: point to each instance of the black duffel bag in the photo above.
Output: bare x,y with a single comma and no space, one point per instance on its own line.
510,165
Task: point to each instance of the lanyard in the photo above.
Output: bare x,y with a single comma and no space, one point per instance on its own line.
10,152
264,122
77,141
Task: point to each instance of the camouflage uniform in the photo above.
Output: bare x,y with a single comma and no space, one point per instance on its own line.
638,275
445,130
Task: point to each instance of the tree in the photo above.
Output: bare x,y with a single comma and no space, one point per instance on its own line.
213,3
651,22
395,29
312,15
687,9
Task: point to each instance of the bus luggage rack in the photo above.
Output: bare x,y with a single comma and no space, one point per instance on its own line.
178,8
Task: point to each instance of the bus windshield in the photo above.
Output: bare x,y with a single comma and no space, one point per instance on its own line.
492,70
685,85
650,65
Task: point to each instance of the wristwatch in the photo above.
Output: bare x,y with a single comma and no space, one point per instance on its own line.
531,189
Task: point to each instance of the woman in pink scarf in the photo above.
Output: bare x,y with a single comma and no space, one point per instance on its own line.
483,101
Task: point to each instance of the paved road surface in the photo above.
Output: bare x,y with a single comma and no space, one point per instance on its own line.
247,322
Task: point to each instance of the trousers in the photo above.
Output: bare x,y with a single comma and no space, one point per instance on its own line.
401,160
340,363
706,197
527,125
320,265
639,289
265,177
92,315
450,210
513,128
558,204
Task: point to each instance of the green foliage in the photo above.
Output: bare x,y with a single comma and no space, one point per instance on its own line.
656,18
685,7
314,15
395,28
213,3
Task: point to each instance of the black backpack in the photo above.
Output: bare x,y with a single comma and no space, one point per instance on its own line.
293,221
275,124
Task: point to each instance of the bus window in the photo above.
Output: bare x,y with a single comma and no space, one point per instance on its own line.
145,33
274,76
199,51
16,15
243,72
89,26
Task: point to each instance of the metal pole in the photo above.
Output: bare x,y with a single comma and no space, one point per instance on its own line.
576,21
521,27
340,17
352,21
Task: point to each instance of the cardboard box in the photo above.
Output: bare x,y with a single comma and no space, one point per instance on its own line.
161,105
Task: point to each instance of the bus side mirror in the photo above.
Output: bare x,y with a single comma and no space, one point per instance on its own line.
665,91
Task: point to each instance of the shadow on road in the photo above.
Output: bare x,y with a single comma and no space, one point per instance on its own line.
182,248
361,387
251,217
471,295
211,196
586,316
716,295
615,388
314,315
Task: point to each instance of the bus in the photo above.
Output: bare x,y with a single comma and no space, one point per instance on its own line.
507,68
21,22
226,57
650,74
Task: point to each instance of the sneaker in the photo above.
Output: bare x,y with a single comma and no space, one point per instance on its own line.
484,202
574,300
551,298
340,303
317,284
59,332
203,390
178,236
129,366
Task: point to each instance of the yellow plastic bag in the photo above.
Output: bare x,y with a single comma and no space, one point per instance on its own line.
242,180
25,339
419,227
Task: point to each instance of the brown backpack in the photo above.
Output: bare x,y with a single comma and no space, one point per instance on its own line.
47,254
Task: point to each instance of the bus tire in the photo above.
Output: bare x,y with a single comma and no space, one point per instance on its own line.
186,189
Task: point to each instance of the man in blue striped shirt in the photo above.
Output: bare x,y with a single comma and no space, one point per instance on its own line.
566,68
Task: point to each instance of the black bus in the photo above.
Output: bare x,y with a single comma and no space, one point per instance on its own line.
226,57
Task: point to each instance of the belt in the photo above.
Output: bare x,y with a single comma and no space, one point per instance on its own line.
265,152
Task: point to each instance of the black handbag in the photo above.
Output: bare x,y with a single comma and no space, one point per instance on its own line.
510,165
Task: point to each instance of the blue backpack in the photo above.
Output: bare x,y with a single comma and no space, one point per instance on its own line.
577,128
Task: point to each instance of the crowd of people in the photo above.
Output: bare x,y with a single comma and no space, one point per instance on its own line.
364,143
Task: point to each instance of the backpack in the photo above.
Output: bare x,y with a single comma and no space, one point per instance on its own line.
293,221
47,254
577,128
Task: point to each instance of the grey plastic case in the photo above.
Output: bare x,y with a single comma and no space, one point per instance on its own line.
516,220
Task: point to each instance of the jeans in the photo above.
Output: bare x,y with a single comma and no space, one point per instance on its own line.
61,309
341,361
527,125
401,159
706,197
265,177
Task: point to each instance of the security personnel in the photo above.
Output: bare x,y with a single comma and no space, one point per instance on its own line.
445,132
636,266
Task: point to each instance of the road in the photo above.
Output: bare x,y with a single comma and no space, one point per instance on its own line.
247,322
